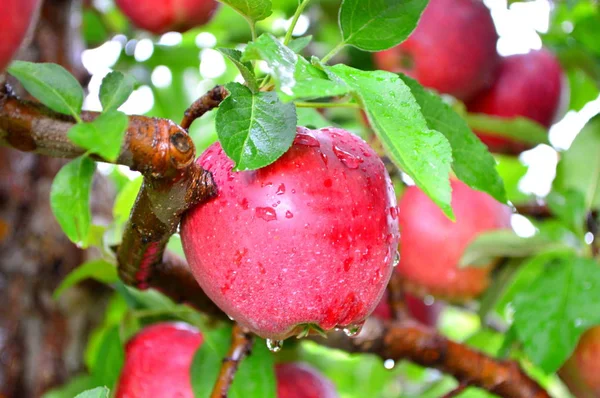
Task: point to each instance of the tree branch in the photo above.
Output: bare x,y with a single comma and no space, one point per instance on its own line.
241,345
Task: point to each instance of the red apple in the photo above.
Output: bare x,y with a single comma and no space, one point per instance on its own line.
15,18
529,85
160,16
426,314
305,243
432,245
298,380
452,50
581,373
158,361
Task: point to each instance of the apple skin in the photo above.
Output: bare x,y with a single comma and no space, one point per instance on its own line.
307,240
160,16
452,50
158,361
299,380
529,85
581,372
432,245
426,314
15,18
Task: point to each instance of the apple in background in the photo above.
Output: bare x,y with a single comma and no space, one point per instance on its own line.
431,245
426,314
15,18
529,85
158,361
581,372
299,380
452,50
305,243
160,16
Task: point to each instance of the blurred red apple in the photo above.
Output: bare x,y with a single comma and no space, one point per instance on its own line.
529,85
299,380
15,18
581,373
431,245
160,16
452,50
417,309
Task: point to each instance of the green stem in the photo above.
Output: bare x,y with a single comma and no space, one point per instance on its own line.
252,29
333,52
299,10
327,105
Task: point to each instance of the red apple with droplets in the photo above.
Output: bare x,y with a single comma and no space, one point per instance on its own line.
160,16
581,372
431,244
306,243
299,380
452,50
529,85
15,18
158,361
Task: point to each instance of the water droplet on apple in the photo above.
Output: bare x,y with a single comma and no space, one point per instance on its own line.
394,212
280,189
349,160
353,330
307,140
274,345
396,259
289,214
266,213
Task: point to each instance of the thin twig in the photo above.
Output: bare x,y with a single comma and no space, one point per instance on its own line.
207,102
241,345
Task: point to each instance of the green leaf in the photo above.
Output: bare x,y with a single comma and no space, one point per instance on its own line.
51,84
255,377
99,392
551,314
245,68
569,207
311,118
579,167
111,356
379,24
75,385
295,77
103,136
254,10
300,43
254,129
99,270
424,154
115,90
505,243
511,170
70,198
472,161
583,88
125,200
518,128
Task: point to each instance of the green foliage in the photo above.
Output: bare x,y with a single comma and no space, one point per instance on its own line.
378,25
519,128
255,10
99,392
424,154
99,270
102,136
70,198
255,377
115,90
254,128
245,68
51,84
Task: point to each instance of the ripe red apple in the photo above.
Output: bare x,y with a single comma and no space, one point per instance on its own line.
305,243
581,373
529,85
426,314
160,16
299,380
15,18
452,50
158,361
432,245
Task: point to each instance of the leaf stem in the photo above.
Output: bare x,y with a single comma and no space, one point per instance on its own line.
327,105
333,52
290,31
252,28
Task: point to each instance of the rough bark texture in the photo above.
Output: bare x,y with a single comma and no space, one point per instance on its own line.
41,340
